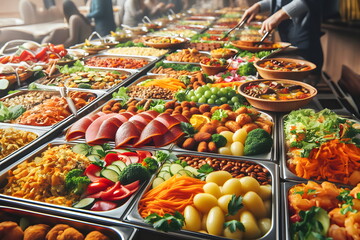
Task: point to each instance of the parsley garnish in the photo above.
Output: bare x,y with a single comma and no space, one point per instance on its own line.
188,129
166,223
235,204
348,199
204,170
219,115
233,225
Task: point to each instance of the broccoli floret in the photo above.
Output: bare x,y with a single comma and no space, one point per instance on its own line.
247,69
219,140
134,172
257,141
151,164
76,182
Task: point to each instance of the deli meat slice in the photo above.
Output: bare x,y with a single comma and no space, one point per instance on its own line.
154,128
93,129
170,136
126,134
78,129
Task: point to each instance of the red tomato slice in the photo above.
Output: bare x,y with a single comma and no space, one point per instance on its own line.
133,185
143,154
103,206
112,157
133,156
96,187
93,172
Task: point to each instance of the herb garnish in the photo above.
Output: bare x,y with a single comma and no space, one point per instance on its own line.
166,223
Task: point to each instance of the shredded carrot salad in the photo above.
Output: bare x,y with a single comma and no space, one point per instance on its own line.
333,161
172,195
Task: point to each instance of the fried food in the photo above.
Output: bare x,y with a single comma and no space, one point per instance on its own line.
10,231
64,232
96,235
36,232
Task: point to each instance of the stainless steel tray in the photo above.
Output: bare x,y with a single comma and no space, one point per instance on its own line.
100,91
103,55
285,215
203,52
134,217
134,55
112,143
150,72
271,156
113,232
116,213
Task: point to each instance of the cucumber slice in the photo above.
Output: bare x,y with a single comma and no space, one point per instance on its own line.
193,170
166,168
93,157
120,164
95,149
166,175
84,203
110,174
184,172
161,173
175,168
81,148
114,167
157,181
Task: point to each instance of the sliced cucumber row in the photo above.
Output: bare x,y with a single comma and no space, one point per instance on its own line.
93,153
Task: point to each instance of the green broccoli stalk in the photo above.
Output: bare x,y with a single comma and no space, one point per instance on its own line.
258,141
247,69
134,172
76,182
151,164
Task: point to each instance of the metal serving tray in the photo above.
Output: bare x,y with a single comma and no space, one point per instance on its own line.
112,143
134,217
203,52
129,73
271,156
150,72
9,213
285,217
134,55
150,60
116,213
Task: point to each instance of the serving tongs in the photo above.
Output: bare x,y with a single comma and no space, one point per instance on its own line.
70,102
239,25
262,39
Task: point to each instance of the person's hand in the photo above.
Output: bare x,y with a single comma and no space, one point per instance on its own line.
170,5
251,13
273,21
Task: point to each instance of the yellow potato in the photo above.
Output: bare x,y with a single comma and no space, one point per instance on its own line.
255,204
225,150
233,235
215,221
232,186
213,189
237,149
223,202
268,206
204,202
228,135
239,136
265,192
264,225
192,219
218,177
203,222
249,184
251,228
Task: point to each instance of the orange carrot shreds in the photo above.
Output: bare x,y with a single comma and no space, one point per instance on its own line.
334,161
304,196
172,195
169,83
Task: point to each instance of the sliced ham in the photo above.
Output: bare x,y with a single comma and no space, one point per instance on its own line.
170,136
168,120
151,113
78,129
180,117
126,134
93,129
154,128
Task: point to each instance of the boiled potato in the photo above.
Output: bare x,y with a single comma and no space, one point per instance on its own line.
203,231
264,225
223,202
239,136
251,228
215,221
204,202
228,135
225,150
234,217
237,149
249,184
255,204
265,192
192,218
218,177
213,189
232,186
233,235
203,222
267,205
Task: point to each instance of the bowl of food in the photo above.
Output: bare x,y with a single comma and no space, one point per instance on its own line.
284,68
223,53
165,42
253,46
277,95
212,66
92,47
120,36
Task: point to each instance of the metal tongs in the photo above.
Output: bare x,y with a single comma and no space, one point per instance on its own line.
147,20
70,102
239,25
262,39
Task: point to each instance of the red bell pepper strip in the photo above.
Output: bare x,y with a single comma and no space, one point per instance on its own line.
133,156
103,206
27,56
133,185
41,54
143,154
93,172
98,186
120,194
112,157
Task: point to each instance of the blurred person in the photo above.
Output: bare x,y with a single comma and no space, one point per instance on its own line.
102,12
134,11
69,9
157,8
49,3
298,22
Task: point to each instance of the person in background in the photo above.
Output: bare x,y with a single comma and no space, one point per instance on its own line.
298,22
69,9
157,8
49,3
102,12
134,11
